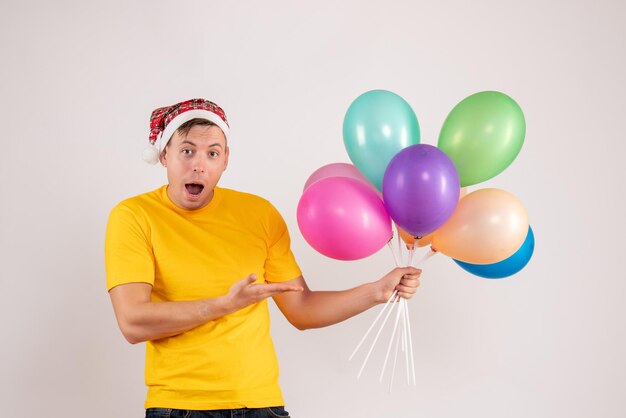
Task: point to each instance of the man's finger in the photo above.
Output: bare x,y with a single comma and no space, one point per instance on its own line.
290,289
413,275
410,279
406,289
250,279
411,270
280,288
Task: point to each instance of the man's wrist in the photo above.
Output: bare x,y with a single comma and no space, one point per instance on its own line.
214,308
374,292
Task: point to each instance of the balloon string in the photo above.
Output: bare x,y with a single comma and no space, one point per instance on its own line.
410,340
405,342
395,259
411,253
399,311
399,246
429,254
399,342
393,295
394,303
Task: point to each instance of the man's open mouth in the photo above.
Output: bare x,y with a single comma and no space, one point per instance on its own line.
194,189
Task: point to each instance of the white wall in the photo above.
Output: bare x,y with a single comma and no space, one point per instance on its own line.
79,80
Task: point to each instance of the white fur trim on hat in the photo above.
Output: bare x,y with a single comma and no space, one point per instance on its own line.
186,117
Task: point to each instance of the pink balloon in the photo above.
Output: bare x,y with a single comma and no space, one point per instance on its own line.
338,170
343,218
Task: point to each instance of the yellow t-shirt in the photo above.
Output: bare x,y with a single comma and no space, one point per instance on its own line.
186,255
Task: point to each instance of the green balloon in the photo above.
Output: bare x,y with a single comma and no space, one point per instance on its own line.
482,135
377,125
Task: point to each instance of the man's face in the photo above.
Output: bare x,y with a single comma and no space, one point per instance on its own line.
195,164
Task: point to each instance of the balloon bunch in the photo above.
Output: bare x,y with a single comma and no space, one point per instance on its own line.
346,211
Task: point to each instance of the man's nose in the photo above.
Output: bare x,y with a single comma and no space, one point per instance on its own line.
199,165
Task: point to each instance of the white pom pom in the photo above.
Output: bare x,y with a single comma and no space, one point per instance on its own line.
151,155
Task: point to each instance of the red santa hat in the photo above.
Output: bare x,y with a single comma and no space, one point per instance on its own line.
166,120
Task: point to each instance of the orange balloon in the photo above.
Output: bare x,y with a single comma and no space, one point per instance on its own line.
487,226
425,240
409,239
406,237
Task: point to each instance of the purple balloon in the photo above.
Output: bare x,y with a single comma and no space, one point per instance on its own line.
421,189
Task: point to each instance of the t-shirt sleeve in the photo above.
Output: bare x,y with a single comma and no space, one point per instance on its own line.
280,264
127,250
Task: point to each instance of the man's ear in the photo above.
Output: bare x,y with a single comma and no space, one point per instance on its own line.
226,160
163,157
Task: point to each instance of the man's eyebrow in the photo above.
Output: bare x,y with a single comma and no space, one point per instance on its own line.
188,142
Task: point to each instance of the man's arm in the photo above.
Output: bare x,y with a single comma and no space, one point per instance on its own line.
140,319
316,309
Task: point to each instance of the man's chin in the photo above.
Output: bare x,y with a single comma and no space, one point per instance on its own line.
189,201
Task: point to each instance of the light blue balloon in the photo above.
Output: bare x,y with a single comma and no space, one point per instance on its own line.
506,267
377,125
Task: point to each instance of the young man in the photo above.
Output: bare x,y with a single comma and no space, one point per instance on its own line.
190,267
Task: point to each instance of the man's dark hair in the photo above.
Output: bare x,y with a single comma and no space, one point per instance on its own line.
184,129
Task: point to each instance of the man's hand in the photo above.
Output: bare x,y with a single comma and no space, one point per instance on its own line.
245,292
403,279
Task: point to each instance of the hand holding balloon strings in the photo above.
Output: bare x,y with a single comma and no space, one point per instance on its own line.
404,337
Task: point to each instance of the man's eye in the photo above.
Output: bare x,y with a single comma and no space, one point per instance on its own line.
213,154
186,152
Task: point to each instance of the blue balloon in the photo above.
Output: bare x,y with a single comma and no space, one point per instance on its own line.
506,267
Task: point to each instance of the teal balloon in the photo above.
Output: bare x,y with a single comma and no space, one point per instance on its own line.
377,125
482,135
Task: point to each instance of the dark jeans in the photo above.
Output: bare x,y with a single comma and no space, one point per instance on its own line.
271,412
